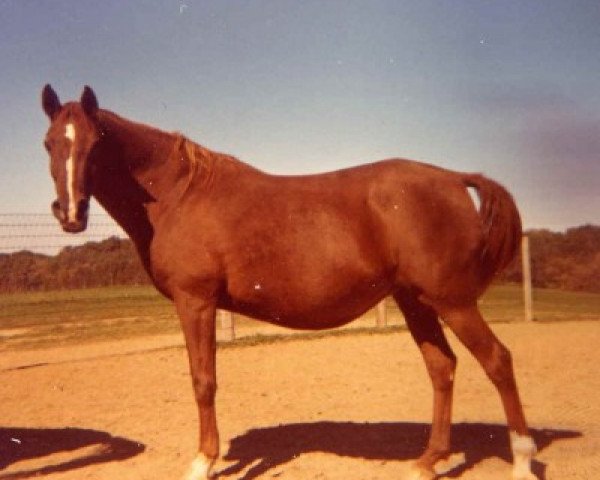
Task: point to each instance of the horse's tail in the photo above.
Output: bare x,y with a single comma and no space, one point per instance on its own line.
500,221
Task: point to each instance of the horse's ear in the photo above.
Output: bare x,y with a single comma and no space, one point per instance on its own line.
88,101
50,102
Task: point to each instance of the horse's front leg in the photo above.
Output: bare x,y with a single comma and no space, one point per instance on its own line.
197,316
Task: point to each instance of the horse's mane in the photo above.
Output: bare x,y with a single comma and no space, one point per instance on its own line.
201,160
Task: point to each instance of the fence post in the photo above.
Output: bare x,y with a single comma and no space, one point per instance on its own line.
382,313
526,266
227,323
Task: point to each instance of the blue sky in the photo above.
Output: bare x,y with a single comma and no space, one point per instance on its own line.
510,89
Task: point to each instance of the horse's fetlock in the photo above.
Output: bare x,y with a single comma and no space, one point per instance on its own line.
200,469
524,449
449,462
434,452
419,473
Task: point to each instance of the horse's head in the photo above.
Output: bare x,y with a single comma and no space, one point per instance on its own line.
70,142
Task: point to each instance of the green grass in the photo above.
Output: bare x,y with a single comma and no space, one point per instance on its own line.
556,305
45,318
41,319
49,308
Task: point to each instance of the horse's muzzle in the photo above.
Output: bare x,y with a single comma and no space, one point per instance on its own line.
79,224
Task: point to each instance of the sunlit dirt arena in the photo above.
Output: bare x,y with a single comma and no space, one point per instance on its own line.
352,407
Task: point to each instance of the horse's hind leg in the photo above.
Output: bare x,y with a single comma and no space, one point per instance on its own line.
422,321
469,326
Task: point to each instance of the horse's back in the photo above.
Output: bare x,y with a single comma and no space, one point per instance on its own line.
294,246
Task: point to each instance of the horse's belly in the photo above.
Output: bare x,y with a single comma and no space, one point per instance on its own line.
308,306
320,269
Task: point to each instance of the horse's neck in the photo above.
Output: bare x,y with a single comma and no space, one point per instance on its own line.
143,174
135,176
145,151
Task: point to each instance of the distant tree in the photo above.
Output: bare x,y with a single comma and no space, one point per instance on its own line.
110,262
22,271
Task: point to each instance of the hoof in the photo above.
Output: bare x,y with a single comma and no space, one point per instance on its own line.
524,476
441,467
445,465
199,469
419,473
524,450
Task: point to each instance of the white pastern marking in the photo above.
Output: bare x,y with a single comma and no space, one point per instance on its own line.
523,448
418,473
472,191
199,469
453,461
70,166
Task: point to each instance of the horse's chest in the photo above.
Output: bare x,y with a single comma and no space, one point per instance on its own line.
181,263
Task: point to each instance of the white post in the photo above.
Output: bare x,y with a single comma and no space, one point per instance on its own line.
226,319
381,314
527,291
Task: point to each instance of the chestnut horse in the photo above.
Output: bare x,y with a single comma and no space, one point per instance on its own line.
306,252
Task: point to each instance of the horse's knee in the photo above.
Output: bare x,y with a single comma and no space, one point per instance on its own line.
499,366
205,389
441,368
444,376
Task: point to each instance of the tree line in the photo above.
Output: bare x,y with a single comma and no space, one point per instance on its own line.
112,261
566,260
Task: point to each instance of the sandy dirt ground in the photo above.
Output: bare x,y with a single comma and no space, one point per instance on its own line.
352,408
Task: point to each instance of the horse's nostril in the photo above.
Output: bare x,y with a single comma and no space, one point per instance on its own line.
57,211
82,208
84,204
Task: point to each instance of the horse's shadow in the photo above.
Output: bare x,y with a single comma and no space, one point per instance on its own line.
19,444
266,448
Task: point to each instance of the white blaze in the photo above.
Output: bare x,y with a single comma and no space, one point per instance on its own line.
70,166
